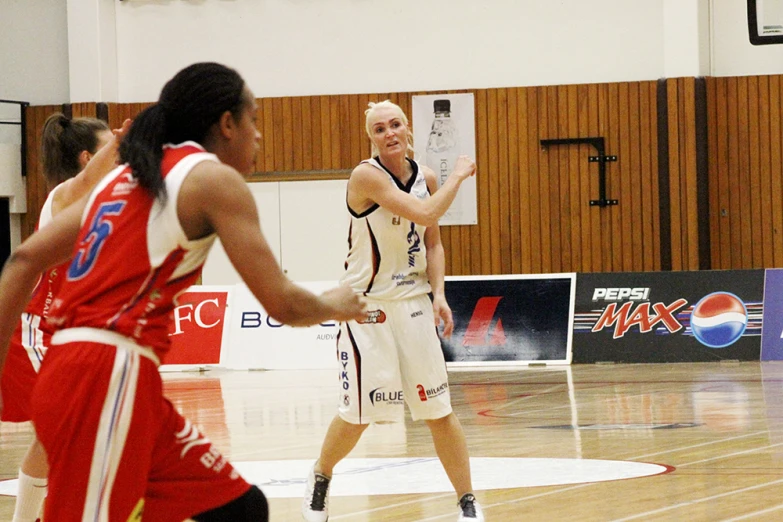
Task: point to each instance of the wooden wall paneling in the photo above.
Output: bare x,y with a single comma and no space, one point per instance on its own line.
675,170
645,184
775,140
746,195
614,172
553,177
691,186
315,133
574,182
346,130
504,195
336,132
296,134
589,235
524,176
547,157
765,174
754,172
605,215
562,205
735,218
258,162
514,175
654,175
268,134
598,235
625,173
636,174
714,172
535,157
287,130
493,166
483,181
326,133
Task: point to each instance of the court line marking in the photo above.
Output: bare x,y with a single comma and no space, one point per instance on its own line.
755,513
698,501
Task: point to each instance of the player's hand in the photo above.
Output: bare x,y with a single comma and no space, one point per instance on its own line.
123,130
442,312
464,167
347,304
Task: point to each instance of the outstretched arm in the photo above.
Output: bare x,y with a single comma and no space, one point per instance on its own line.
216,198
369,184
104,161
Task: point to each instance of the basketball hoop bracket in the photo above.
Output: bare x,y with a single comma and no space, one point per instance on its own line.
601,159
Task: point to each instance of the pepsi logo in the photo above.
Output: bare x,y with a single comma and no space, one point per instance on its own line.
719,319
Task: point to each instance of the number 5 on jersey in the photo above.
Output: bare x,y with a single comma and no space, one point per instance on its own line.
90,247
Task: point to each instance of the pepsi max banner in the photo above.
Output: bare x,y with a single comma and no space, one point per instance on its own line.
669,316
510,319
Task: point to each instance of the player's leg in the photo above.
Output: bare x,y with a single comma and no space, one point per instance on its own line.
91,403
370,392
426,387
33,481
190,478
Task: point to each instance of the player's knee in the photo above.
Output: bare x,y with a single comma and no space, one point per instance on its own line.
250,507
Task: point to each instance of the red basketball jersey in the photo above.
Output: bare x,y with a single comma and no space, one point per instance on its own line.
132,258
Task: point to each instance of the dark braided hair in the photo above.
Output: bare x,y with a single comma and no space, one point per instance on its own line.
190,103
62,141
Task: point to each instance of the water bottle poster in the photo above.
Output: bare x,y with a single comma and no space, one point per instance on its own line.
444,127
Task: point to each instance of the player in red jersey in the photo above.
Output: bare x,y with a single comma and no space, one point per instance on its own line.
76,154
116,446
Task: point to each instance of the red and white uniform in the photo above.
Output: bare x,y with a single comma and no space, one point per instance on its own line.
30,340
116,446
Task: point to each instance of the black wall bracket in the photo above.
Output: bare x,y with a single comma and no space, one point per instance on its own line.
601,159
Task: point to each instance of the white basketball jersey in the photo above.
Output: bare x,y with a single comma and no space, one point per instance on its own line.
387,258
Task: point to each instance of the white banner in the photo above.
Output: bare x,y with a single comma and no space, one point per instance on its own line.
443,129
257,341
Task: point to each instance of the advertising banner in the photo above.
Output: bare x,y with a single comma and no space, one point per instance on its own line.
199,326
259,342
772,333
669,316
444,127
510,319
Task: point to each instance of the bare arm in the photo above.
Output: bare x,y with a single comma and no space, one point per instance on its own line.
216,198
101,164
48,247
436,268
369,184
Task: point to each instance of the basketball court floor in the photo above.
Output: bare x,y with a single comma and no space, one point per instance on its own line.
696,442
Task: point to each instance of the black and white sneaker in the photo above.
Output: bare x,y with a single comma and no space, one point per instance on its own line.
315,507
469,509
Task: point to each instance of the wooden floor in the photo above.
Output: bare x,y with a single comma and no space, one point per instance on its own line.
718,425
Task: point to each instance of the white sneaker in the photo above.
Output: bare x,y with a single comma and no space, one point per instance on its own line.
315,507
469,509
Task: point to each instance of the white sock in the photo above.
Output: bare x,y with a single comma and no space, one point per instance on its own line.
29,500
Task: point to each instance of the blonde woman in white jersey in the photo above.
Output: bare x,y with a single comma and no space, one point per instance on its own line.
393,357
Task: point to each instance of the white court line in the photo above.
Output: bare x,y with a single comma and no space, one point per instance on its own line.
399,504
755,514
692,502
486,507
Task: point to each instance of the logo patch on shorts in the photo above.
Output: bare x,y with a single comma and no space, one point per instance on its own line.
375,317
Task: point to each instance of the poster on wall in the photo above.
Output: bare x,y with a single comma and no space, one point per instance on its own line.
700,316
199,326
444,129
512,319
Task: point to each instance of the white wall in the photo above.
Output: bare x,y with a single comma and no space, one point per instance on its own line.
301,47
33,51
732,52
